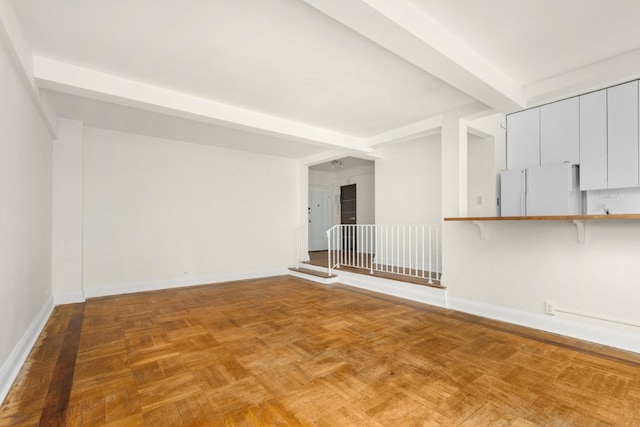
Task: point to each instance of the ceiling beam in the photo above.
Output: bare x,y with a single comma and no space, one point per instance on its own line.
488,126
409,32
75,80
429,126
424,127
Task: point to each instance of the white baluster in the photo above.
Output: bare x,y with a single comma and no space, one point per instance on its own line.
371,243
410,257
423,251
404,250
430,257
437,250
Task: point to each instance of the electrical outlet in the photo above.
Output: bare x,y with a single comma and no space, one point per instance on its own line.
550,307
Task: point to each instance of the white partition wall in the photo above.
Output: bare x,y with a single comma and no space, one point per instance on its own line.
408,182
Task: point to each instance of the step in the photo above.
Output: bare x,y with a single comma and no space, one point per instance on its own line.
435,283
313,275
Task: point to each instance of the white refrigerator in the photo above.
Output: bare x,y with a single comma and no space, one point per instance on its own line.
543,190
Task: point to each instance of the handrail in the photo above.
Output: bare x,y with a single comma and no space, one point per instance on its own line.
404,249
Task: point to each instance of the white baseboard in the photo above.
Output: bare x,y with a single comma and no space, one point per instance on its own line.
156,285
596,334
423,294
11,367
68,298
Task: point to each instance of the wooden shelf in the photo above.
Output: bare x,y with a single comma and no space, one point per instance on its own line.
545,218
578,220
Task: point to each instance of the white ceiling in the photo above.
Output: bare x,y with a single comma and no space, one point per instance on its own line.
296,78
532,40
280,57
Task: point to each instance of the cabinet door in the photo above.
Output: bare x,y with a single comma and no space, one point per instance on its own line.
622,150
523,139
560,132
593,141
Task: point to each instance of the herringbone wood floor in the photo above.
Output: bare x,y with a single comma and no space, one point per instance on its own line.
285,351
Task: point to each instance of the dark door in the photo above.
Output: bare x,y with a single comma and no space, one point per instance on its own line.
348,216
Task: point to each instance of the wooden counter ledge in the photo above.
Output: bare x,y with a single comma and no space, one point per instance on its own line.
546,218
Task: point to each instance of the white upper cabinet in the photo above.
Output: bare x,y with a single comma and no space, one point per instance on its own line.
599,131
523,139
560,132
593,141
622,119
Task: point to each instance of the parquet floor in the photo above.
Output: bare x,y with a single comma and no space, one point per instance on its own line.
285,351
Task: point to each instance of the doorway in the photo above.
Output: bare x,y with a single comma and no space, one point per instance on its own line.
348,202
345,205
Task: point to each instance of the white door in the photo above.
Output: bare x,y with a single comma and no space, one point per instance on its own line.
318,219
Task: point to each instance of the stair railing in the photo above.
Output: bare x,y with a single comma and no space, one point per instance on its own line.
410,249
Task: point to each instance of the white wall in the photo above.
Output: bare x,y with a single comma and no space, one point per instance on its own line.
616,201
481,177
494,128
408,183
67,213
164,213
25,215
321,179
524,263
